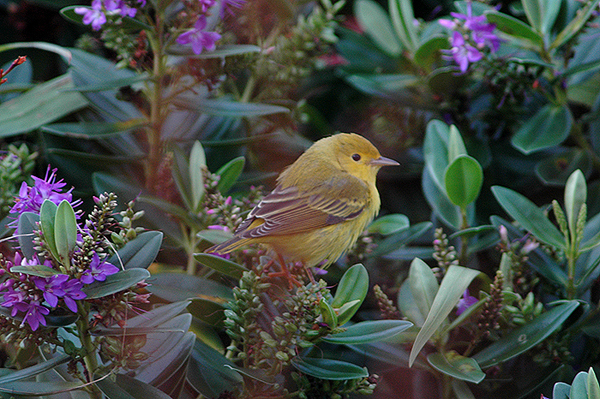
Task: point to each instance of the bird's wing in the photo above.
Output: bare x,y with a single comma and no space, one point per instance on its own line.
291,210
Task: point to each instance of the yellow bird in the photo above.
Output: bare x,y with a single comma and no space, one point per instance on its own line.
320,206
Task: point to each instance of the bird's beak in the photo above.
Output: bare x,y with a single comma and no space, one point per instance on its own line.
383,161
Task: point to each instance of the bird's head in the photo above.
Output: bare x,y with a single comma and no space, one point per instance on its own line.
358,156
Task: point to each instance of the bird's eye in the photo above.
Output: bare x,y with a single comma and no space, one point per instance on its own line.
356,157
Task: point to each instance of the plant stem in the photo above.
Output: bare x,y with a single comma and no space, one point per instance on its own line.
571,276
89,359
464,241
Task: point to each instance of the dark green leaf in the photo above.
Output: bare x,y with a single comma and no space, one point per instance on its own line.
389,224
53,48
47,220
329,369
549,127
39,388
456,366
353,286
376,23
178,287
65,230
514,27
115,283
528,215
391,86
35,270
576,24
126,387
231,109
215,236
221,51
430,51
110,84
369,331
400,239
554,170
27,224
92,130
463,180
159,315
32,371
423,285
229,173
403,18
221,265
208,374
139,252
437,198
526,337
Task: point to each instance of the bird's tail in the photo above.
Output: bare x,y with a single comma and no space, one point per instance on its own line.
227,246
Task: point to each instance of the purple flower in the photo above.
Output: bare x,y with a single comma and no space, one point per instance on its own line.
206,4
34,313
52,287
93,16
72,289
30,199
198,38
98,271
465,302
462,52
11,299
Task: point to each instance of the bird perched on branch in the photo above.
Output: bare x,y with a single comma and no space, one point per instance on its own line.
321,205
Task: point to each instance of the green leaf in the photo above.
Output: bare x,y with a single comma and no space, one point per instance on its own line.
126,387
575,197
110,84
328,314
329,369
430,51
32,371
525,337
437,198
389,224
115,283
403,19
436,151
197,165
221,265
27,224
388,86
353,286
215,236
528,215
541,14
231,109
369,331
579,386
456,145
53,48
35,270
549,127
593,388
37,389
175,287
139,252
92,130
561,390
576,24
423,285
554,170
47,220
41,105
222,51
516,28
463,180
456,366
401,238
229,173
455,282
65,230
376,23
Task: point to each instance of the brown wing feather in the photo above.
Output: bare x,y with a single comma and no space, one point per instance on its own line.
290,210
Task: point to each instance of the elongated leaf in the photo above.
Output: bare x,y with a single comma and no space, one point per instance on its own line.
27,224
329,369
126,387
528,215
229,173
575,197
549,127
353,286
91,130
197,165
35,270
179,287
231,109
32,371
456,366
47,220
401,238
43,104
403,19
423,285
221,51
456,280
369,331
576,24
115,283
65,230
110,84
593,388
437,198
376,23
391,86
389,224
456,145
436,150
514,27
159,315
526,337
221,265
39,388
430,51
463,180
53,48
139,252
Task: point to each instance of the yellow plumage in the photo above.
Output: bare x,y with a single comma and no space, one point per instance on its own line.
321,205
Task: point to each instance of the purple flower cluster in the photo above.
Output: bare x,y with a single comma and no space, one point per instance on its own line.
96,15
28,293
198,37
472,35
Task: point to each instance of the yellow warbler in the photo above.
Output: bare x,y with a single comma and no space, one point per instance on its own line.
320,206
